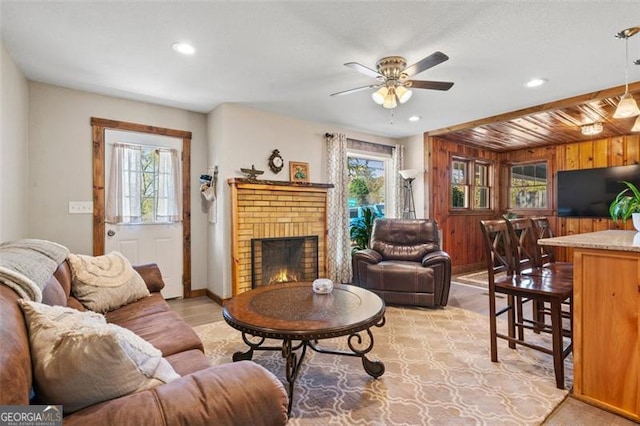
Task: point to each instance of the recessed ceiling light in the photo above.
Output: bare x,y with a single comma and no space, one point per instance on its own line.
536,82
415,118
184,48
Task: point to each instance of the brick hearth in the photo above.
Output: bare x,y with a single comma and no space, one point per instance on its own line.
274,209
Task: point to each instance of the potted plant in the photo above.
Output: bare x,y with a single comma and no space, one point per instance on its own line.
360,230
626,205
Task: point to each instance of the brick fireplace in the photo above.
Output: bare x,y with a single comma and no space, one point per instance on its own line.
274,210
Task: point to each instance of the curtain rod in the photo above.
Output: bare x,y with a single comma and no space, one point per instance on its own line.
330,135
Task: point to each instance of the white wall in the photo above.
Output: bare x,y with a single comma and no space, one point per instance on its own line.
414,159
60,163
14,166
241,136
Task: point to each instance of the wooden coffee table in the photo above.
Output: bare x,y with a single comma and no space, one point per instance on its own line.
293,313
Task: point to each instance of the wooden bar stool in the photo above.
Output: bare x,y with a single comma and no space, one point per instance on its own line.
502,254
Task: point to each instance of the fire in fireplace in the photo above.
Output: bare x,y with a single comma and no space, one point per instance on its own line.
282,260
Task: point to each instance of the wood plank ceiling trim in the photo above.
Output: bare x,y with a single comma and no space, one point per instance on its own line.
546,124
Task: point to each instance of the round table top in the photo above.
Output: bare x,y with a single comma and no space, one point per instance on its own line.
293,310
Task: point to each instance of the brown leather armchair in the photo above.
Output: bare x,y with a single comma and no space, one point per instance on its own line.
404,265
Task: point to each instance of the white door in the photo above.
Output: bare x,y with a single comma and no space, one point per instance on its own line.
159,243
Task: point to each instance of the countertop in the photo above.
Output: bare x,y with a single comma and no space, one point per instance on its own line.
600,240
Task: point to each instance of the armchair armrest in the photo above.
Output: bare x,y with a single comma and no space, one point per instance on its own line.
359,263
239,393
367,255
151,275
440,262
434,258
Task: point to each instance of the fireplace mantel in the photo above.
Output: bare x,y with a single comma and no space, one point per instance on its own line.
275,184
274,209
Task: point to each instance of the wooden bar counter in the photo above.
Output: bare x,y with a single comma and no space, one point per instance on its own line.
606,320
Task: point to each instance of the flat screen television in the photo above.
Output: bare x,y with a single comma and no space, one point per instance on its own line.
588,192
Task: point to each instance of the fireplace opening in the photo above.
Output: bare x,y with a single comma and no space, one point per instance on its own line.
282,260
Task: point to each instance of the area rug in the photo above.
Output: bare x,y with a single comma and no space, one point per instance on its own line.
438,372
478,278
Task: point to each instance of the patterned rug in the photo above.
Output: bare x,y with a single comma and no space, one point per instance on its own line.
438,372
477,279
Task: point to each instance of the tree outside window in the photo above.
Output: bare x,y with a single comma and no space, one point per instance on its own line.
528,186
366,186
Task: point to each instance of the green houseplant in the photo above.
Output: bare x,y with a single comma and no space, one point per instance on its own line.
360,230
626,205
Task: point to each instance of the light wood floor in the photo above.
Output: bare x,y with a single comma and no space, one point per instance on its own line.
202,310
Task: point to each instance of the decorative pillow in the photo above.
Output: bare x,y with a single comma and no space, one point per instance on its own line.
80,360
105,283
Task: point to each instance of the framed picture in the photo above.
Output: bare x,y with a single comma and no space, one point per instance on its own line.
298,172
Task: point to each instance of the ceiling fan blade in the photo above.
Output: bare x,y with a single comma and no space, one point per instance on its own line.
433,85
426,63
357,89
364,70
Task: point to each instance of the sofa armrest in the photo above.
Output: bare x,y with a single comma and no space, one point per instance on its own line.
151,275
240,393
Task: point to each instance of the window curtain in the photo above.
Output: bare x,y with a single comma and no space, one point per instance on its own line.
168,205
338,241
123,199
397,184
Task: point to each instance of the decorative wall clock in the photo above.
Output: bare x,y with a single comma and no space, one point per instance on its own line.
275,161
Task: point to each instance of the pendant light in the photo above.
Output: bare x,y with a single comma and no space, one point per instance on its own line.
627,107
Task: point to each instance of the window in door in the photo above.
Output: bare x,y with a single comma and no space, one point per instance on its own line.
144,185
528,186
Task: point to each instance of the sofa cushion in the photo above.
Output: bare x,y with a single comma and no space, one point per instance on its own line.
188,362
167,331
104,283
79,359
144,307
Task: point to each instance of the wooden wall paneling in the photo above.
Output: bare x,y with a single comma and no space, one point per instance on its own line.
586,155
601,153
632,151
616,156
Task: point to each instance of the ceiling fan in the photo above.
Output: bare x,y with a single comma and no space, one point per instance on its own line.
393,76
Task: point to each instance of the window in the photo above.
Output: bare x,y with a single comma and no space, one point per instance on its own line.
366,185
528,186
481,189
466,193
144,185
459,186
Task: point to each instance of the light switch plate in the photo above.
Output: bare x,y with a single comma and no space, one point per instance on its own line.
80,207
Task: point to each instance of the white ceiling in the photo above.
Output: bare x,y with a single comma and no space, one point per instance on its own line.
287,57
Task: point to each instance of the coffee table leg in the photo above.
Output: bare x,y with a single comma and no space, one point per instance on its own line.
248,355
373,368
293,365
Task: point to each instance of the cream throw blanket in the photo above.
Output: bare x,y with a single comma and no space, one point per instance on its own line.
26,265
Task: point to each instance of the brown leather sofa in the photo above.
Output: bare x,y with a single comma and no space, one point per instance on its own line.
404,265
238,393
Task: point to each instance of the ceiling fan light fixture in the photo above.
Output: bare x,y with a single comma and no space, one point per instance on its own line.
627,107
379,95
636,125
403,94
390,99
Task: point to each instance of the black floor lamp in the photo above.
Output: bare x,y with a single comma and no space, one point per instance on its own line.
409,209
